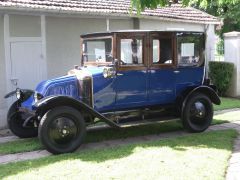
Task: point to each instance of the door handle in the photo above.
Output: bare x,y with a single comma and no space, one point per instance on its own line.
14,81
176,72
119,74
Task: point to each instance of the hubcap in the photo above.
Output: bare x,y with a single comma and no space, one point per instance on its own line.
62,130
198,112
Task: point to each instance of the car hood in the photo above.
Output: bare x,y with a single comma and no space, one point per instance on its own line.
68,85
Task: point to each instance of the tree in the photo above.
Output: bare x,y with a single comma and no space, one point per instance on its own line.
140,5
229,12
226,9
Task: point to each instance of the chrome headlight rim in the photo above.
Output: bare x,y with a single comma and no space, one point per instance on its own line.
37,96
18,94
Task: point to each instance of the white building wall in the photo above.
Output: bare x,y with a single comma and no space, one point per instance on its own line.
24,26
63,42
3,106
148,24
120,24
232,54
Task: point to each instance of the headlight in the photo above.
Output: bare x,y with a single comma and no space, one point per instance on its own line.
37,96
105,73
18,93
109,72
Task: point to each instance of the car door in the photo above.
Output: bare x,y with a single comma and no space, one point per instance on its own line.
190,53
162,68
131,78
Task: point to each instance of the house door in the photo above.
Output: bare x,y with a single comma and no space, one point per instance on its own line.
28,67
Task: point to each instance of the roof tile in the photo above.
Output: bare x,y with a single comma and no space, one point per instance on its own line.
110,7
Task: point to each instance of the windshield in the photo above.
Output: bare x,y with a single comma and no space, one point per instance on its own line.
97,51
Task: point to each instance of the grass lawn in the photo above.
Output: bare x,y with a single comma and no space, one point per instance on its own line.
228,103
199,156
107,134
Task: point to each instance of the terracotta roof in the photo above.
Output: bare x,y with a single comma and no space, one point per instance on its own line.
109,8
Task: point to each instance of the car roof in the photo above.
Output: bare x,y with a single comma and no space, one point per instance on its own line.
110,33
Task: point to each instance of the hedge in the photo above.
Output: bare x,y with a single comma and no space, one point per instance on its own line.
221,74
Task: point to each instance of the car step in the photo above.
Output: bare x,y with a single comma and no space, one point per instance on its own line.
146,122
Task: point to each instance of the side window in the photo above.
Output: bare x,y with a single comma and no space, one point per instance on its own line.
162,51
156,50
131,51
189,50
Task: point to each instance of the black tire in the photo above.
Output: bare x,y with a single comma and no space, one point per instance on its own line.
62,130
15,123
197,113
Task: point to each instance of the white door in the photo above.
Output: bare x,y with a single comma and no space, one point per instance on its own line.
28,67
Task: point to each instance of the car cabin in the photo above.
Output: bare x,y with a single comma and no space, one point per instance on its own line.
153,67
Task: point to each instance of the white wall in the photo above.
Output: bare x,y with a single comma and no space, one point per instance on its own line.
120,24
63,41
24,26
211,41
232,54
3,105
148,24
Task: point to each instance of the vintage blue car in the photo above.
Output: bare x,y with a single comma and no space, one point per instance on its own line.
124,77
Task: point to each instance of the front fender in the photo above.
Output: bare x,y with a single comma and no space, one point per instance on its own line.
211,93
60,100
49,102
26,93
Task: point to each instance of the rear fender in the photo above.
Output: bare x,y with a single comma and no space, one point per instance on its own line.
49,102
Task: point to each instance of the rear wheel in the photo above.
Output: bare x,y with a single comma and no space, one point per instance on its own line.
198,113
15,121
62,130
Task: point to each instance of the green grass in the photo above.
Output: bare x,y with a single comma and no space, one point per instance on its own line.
32,144
95,136
199,156
108,134
228,103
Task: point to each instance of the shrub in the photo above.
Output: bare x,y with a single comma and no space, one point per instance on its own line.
221,74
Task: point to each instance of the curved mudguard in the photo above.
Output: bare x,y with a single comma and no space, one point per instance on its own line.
25,92
211,93
52,101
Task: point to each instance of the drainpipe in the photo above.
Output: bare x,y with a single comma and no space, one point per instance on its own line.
206,28
107,24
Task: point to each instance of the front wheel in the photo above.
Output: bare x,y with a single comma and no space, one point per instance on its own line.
15,121
197,113
62,130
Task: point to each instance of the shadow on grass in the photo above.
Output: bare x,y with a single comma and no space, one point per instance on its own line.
215,139
97,135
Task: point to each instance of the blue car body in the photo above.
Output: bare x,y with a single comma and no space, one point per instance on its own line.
132,89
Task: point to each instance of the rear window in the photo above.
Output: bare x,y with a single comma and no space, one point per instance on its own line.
190,49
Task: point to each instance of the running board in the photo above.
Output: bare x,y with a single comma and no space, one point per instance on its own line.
133,123
146,122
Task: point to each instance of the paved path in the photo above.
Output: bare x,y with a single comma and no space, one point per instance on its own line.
233,172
